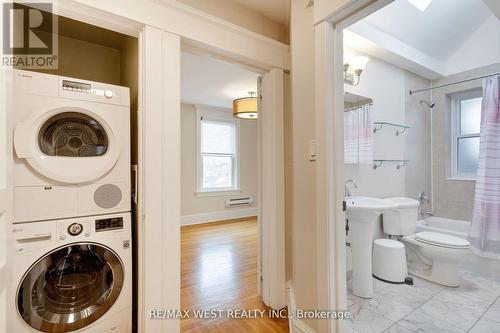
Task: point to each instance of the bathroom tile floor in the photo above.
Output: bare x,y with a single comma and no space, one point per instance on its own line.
428,307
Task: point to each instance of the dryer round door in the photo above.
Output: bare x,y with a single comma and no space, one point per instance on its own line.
70,287
69,145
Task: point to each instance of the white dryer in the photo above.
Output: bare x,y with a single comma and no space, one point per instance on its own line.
72,275
72,147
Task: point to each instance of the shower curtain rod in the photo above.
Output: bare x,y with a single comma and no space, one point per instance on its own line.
453,83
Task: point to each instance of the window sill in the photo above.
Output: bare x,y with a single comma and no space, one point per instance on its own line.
216,193
462,178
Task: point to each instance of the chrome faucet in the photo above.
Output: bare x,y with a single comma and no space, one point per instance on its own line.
347,190
423,199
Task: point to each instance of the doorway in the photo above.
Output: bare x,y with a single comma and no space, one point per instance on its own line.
221,183
408,114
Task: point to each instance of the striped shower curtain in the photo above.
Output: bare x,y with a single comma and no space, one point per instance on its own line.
358,135
484,233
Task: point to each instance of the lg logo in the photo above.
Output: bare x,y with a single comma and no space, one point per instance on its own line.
28,28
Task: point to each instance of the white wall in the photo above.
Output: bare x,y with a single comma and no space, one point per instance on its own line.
418,139
385,85
203,209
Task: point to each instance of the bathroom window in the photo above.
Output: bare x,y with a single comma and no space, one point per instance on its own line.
218,137
466,123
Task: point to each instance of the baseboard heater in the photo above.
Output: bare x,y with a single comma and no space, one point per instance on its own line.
237,202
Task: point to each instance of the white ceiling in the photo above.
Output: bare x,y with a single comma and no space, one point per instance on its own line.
276,10
438,31
208,81
434,42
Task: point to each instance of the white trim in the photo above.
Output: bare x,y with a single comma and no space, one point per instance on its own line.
6,190
327,10
330,233
199,29
217,193
93,16
150,233
461,179
218,216
272,195
171,180
296,325
159,237
329,87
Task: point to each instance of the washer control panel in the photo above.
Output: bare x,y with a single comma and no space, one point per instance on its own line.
112,223
73,229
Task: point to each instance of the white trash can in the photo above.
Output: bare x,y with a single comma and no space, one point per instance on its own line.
389,260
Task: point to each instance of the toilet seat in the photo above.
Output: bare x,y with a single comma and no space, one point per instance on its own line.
441,240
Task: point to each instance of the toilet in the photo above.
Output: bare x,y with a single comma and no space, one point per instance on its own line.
430,255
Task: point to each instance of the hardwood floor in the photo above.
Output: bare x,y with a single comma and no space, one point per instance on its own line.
219,271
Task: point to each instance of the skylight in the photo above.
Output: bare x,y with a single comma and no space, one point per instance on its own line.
420,4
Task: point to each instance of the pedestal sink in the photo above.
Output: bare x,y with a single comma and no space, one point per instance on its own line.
364,215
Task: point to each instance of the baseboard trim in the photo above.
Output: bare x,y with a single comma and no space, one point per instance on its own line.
296,325
219,216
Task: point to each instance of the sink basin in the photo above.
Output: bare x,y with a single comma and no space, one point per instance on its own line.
368,203
364,216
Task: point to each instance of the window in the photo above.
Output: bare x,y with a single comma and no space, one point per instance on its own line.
466,119
218,137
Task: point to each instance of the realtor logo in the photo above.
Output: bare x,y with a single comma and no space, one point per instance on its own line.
29,35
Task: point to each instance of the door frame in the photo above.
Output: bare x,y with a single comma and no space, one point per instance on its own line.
271,139
6,190
329,109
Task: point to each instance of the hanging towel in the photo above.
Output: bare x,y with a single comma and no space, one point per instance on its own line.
365,135
358,135
484,233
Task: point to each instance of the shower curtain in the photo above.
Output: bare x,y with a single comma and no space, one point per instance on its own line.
484,233
358,135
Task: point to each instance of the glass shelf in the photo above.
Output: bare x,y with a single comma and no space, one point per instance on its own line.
399,163
401,128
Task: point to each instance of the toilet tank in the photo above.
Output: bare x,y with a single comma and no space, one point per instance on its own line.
401,221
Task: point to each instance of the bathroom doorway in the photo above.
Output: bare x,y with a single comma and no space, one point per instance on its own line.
413,105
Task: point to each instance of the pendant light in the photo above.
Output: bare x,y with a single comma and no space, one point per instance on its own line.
246,107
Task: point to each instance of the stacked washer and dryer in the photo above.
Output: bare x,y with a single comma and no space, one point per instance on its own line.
72,223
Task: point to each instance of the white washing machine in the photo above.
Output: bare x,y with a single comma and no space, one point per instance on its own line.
72,147
72,275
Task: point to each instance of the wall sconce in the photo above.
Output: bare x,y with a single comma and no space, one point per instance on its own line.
354,68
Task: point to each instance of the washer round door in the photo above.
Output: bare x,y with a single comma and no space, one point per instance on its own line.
70,145
70,287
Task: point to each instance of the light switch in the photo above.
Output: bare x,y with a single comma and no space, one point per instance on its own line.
312,150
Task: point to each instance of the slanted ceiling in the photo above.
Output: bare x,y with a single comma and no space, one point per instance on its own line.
432,43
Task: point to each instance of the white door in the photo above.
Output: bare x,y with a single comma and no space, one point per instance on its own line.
6,194
272,190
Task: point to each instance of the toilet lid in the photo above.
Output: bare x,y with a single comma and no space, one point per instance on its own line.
435,238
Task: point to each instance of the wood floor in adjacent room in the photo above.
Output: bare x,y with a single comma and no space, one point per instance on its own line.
219,271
